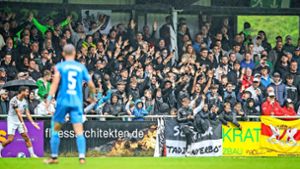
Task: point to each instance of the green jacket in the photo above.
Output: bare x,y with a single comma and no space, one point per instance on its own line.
42,89
44,28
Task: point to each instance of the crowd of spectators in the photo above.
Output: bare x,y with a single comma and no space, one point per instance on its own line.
138,73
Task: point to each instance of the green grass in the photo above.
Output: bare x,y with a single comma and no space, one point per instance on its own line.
157,163
272,25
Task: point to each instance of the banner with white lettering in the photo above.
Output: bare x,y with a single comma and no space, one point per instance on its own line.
208,143
108,138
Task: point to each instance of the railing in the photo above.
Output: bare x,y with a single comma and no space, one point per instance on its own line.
149,117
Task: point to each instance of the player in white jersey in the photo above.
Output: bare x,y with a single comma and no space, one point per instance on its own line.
17,107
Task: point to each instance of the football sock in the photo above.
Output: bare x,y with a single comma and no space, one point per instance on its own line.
54,143
81,145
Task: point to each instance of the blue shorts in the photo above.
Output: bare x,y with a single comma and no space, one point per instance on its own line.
75,114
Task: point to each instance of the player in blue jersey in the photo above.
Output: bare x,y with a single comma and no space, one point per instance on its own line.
67,82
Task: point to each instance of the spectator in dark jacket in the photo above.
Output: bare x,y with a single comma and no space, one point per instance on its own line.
279,88
114,108
32,102
228,116
239,111
9,66
4,101
250,109
185,119
291,89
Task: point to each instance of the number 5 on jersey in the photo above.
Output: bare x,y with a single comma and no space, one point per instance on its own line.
72,82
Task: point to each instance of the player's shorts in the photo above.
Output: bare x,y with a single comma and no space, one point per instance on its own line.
12,127
75,114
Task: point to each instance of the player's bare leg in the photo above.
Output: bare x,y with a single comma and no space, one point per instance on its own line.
9,139
29,145
54,142
80,140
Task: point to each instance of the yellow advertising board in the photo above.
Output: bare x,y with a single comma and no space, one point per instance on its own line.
245,142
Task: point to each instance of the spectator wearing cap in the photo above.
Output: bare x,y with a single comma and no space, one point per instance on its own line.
296,57
265,79
289,109
4,101
248,62
271,107
291,89
288,46
256,92
279,88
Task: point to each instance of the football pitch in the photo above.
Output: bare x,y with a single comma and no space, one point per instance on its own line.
156,163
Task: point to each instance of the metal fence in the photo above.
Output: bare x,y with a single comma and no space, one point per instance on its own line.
149,117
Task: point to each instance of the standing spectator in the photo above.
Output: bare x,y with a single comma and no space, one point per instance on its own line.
282,66
279,88
288,46
276,53
258,47
4,101
185,119
291,90
44,84
265,44
235,74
